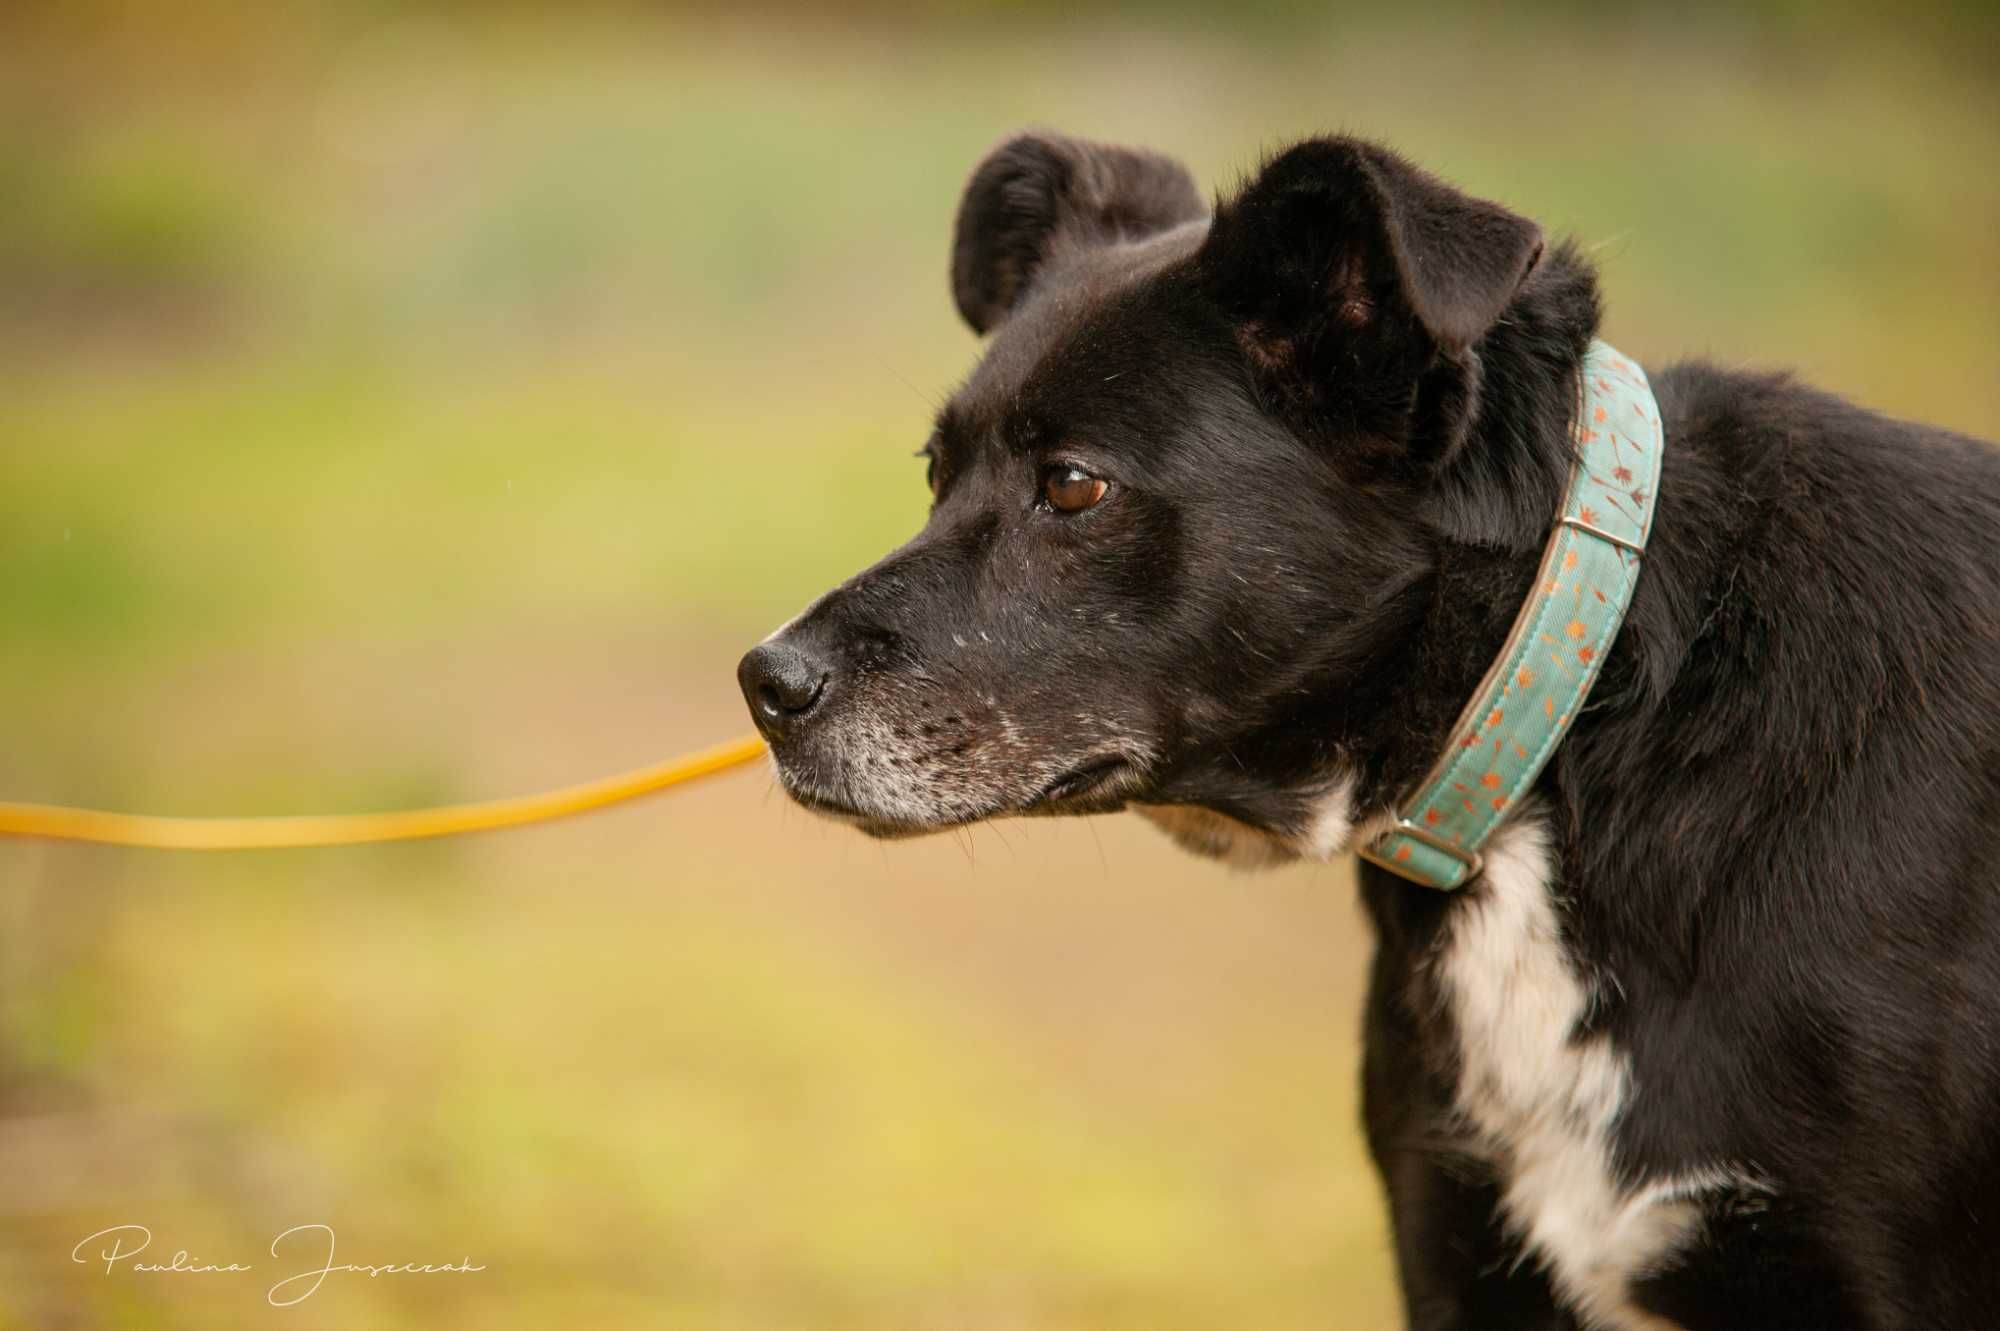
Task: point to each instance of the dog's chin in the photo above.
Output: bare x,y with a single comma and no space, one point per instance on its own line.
1097,785
836,809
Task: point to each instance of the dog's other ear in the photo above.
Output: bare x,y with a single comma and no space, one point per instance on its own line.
1342,258
1039,191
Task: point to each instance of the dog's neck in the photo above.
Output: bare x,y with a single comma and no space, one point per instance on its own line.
1505,410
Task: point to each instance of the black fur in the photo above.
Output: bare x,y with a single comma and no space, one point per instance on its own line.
1333,425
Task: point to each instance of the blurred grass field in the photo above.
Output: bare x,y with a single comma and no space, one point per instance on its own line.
399,406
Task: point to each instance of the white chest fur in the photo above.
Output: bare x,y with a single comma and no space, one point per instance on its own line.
1541,1104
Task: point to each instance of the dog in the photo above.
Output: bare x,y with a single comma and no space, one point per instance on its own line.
1229,523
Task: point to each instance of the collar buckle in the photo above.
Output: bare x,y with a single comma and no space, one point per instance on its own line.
1379,853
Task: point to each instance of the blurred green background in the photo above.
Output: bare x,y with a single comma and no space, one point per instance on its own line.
401,405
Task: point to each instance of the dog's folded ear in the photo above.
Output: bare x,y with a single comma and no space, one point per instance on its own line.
1342,257
1038,192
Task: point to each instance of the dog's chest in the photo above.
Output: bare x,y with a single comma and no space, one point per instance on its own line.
1542,1104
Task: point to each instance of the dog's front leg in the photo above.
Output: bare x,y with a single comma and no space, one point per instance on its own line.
1459,1270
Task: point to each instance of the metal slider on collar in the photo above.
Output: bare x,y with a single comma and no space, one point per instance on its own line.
1579,524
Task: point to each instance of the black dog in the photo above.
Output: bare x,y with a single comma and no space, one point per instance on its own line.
1228,525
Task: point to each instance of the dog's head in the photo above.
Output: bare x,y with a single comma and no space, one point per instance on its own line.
1176,506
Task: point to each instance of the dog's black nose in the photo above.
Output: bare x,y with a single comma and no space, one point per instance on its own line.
782,684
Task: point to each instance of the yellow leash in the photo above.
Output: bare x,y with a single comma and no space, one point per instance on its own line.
354,829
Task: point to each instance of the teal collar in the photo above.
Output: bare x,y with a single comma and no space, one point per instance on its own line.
1533,692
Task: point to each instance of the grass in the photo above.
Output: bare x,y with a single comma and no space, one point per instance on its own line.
400,408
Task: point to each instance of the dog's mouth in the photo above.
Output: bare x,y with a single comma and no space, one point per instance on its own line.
1079,785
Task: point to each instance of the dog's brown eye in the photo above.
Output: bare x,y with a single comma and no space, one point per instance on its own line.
1068,490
